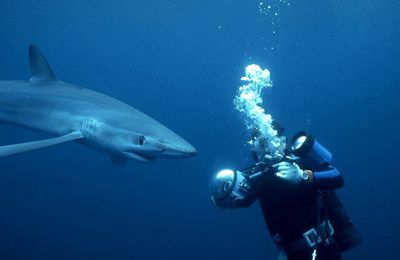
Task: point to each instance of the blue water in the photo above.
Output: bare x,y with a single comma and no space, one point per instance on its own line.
335,67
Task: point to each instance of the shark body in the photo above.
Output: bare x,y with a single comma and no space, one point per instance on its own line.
70,112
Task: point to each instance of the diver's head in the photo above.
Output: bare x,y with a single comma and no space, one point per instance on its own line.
280,130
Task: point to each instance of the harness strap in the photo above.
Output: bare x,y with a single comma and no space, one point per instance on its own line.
323,233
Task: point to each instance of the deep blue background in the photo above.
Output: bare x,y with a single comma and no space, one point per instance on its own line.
335,67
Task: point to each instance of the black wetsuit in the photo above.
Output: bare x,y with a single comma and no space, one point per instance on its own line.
290,211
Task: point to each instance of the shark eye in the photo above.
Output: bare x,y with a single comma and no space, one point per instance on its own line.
141,140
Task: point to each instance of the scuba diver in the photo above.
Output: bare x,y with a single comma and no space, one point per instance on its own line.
301,209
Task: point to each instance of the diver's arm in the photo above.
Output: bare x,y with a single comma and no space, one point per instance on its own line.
327,179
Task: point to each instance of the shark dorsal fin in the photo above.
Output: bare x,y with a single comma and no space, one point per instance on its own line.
39,67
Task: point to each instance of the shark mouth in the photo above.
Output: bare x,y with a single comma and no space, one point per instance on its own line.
139,157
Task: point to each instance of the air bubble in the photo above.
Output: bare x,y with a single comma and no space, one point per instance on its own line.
249,101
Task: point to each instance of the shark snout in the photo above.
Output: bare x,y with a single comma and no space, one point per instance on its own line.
188,150
179,150
155,148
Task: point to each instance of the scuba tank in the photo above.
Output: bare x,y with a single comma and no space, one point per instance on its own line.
346,234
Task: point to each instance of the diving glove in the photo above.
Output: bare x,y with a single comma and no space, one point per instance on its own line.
289,172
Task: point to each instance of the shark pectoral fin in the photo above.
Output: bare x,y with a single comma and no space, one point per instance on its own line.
118,159
7,150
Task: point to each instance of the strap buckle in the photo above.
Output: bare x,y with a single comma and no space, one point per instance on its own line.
314,237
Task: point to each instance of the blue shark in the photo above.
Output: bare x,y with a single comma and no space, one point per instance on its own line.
71,113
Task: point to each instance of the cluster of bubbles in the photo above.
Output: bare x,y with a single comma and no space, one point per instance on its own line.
272,9
264,140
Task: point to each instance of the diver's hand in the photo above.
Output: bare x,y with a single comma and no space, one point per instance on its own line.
289,172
